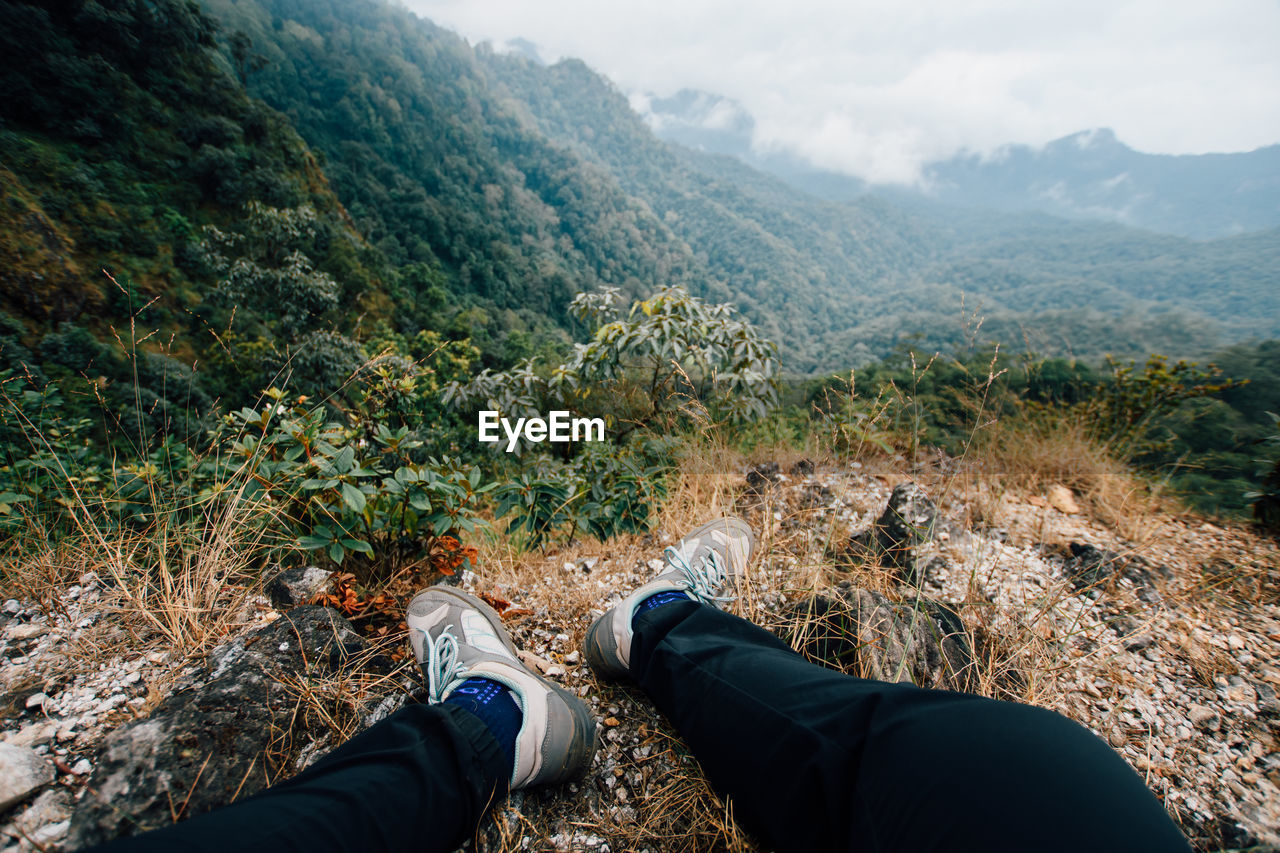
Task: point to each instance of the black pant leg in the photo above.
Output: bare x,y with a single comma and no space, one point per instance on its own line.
817,760
417,781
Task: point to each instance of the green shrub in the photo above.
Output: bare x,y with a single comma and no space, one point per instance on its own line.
349,485
669,359
605,491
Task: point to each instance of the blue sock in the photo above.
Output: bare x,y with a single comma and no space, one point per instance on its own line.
493,703
657,600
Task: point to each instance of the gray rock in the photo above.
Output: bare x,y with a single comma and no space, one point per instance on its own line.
1268,701
22,773
211,737
42,824
27,630
761,481
34,734
294,587
1098,570
908,521
866,634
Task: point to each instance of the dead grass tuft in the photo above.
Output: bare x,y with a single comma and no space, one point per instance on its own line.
179,582
1029,452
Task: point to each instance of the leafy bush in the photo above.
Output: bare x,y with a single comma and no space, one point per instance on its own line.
603,492
360,492
667,358
1126,409
359,487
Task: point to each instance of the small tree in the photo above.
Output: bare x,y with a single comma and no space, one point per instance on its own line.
263,267
669,356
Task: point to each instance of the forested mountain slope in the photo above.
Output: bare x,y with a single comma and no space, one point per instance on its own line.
474,193
854,280
437,174
802,268
122,134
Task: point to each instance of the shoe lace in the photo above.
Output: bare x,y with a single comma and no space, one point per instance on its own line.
707,579
441,664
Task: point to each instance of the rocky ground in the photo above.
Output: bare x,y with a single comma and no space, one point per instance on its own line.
1164,641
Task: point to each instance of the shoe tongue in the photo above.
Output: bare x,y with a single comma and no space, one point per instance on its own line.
701,549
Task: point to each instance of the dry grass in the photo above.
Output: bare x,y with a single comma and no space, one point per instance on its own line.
1029,452
178,583
336,702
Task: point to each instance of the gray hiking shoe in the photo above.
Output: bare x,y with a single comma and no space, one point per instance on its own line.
456,636
706,565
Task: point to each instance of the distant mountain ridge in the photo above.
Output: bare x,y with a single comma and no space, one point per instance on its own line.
1086,175
1093,175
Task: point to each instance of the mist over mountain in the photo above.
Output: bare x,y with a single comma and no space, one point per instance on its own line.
1088,175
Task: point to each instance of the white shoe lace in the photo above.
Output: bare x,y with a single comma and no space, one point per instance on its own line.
441,664
705,581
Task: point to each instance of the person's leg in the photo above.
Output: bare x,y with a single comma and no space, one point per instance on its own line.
817,760
419,780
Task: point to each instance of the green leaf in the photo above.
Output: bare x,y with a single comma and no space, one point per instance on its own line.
358,545
346,458
353,497
313,543
336,553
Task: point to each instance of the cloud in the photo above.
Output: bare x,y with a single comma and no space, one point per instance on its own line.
876,88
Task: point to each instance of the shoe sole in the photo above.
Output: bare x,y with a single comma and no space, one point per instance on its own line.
582,746
586,736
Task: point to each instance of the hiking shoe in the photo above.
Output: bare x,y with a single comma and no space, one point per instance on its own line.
705,565
456,636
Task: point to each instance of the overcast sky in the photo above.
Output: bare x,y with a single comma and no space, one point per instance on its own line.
876,87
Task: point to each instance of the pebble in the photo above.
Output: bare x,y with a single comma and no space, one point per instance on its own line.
22,773
1204,718
46,820
27,631
36,734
